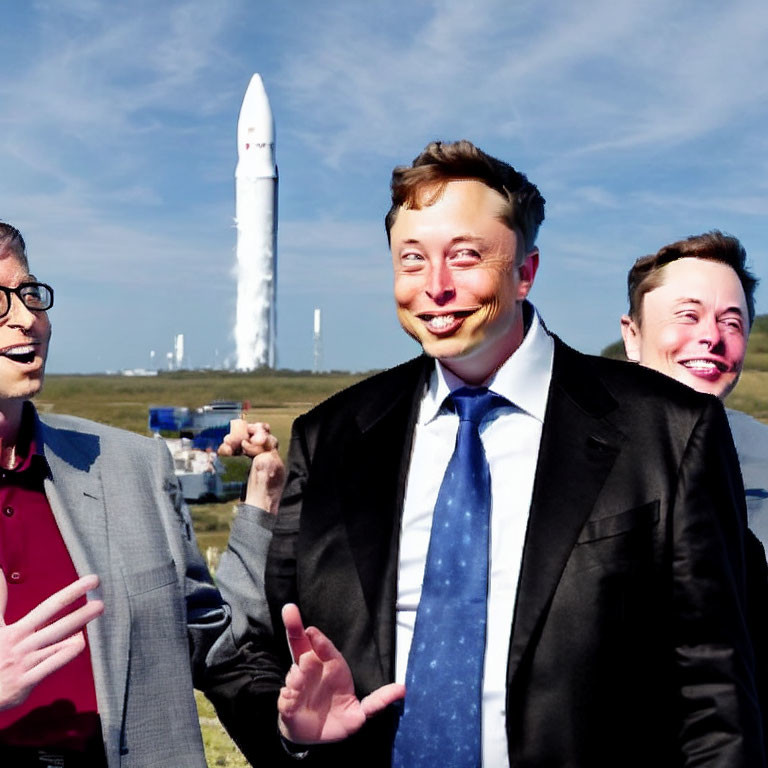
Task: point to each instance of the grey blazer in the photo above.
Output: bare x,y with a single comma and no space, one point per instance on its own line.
751,440
120,512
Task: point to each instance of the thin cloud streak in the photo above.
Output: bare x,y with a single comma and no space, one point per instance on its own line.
615,76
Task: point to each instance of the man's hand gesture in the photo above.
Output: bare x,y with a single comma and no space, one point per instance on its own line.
32,648
267,475
318,702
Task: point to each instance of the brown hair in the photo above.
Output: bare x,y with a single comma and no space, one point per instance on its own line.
647,272
441,162
12,242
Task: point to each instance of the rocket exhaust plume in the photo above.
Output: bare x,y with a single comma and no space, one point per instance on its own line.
256,220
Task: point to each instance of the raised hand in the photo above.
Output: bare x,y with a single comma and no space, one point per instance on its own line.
31,648
318,702
267,475
247,439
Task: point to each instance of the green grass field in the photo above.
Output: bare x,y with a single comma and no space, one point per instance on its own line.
122,401
276,398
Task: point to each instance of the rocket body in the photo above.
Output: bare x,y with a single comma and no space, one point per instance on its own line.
256,220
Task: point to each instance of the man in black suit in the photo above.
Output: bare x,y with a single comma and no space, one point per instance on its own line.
691,310
614,627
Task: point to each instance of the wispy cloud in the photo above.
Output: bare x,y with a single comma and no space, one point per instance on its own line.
83,152
599,77
101,82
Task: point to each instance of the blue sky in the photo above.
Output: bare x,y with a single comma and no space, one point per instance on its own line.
641,122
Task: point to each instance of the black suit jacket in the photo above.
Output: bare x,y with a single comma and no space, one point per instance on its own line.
629,645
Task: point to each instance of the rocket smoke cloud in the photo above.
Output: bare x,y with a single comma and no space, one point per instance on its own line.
256,220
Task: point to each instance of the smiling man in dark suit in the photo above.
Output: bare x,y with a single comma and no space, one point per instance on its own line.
544,548
691,310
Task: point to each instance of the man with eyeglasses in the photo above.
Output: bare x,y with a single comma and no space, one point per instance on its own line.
79,499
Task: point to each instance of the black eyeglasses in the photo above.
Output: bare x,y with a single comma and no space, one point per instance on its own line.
34,296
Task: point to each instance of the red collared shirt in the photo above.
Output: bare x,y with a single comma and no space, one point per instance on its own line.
61,711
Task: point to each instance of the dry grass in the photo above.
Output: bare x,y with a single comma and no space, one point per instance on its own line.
751,394
122,401
219,748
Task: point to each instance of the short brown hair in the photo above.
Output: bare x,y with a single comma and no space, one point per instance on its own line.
441,162
647,272
12,242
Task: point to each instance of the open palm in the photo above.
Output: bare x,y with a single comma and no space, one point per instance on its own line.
34,647
318,702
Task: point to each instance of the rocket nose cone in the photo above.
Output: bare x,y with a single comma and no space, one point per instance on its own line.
255,124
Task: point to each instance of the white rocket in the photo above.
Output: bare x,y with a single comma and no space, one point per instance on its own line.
256,220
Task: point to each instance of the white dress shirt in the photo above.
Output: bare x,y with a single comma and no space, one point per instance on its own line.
511,438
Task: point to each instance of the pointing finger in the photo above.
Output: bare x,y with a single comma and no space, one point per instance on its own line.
294,631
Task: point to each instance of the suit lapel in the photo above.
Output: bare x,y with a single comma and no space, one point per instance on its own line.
578,449
376,461
75,493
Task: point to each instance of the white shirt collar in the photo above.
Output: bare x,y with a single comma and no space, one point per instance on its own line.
523,378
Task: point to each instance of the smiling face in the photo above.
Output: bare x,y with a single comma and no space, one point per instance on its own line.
24,336
458,288
694,326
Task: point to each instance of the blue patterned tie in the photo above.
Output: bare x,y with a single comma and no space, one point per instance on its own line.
441,722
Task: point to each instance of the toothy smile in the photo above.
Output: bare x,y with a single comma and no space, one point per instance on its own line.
20,353
705,366
441,322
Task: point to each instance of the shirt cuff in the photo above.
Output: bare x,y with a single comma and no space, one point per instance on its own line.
296,751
